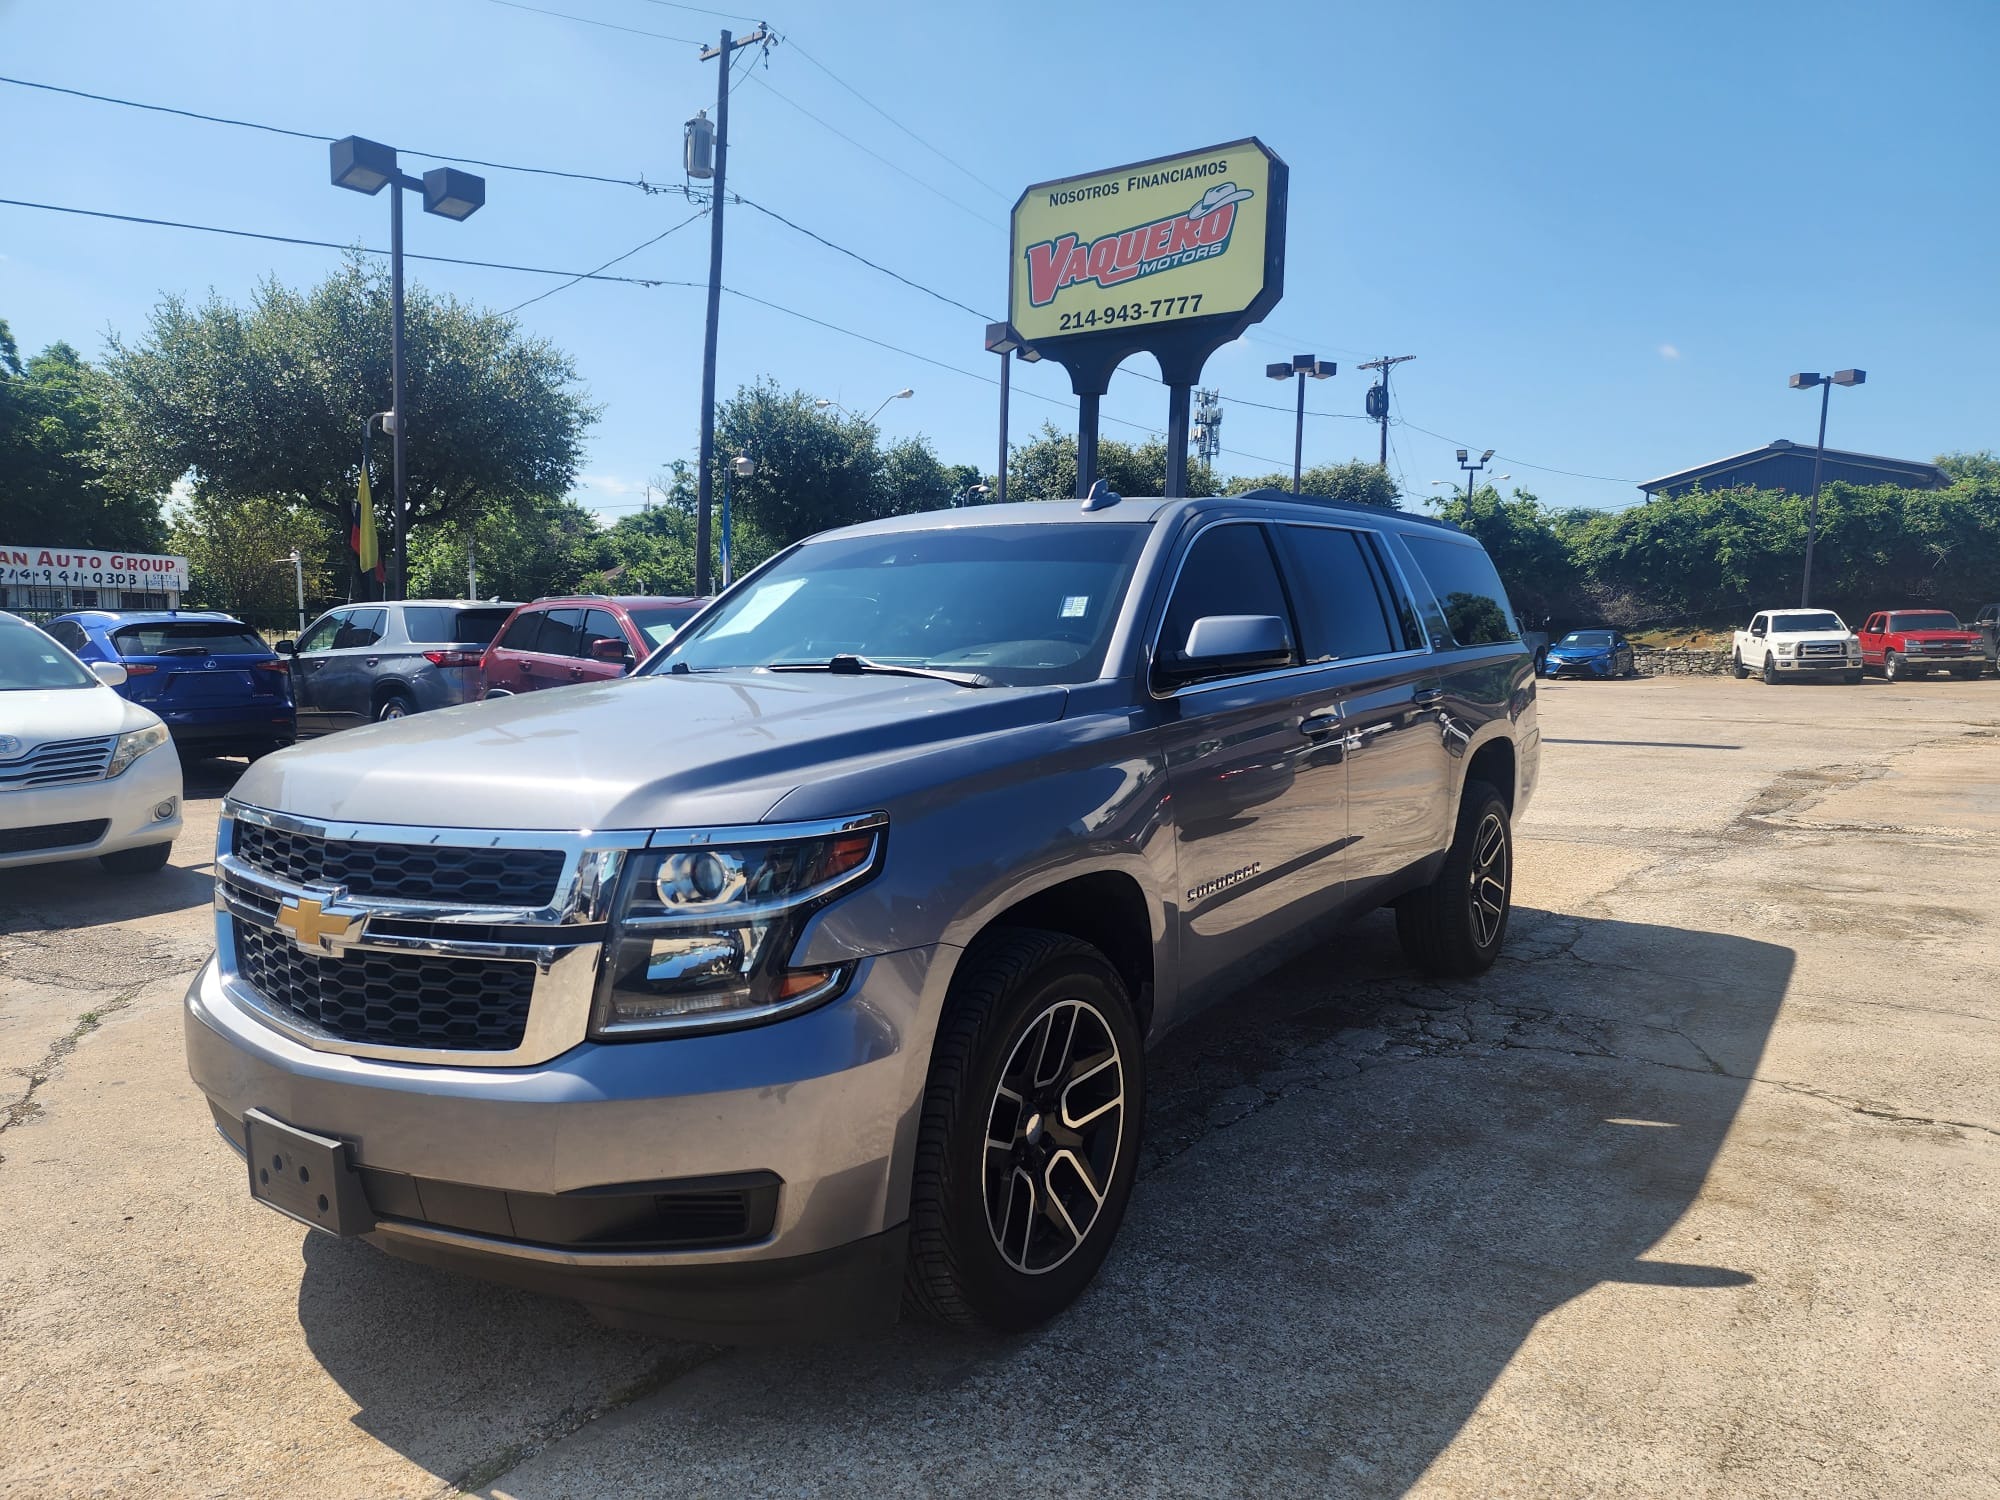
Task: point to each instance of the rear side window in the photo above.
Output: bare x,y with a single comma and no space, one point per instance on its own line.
440,624
1469,589
188,638
1342,613
1228,571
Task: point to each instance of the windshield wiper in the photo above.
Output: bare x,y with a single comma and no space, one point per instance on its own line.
848,665
182,651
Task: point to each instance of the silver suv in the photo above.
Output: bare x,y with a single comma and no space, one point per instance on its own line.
813,966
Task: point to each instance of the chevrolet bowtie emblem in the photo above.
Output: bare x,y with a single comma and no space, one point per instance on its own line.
310,923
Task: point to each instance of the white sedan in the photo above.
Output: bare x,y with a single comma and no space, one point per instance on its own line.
83,773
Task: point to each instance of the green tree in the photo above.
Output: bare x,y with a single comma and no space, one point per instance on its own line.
816,468
536,547
1355,482
1521,537
269,401
1982,467
53,484
1044,467
238,556
653,550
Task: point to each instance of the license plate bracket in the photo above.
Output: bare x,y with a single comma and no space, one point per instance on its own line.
305,1176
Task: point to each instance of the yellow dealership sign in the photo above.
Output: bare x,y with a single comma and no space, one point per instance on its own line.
1134,255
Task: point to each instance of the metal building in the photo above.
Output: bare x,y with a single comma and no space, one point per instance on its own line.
1785,465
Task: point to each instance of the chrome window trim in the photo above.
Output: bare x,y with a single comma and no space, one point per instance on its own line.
1153,645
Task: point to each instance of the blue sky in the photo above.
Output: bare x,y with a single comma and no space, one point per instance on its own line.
1607,232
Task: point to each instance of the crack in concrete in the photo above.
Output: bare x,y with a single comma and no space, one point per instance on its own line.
42,1071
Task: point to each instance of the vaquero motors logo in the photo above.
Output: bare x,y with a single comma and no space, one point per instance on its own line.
1198,233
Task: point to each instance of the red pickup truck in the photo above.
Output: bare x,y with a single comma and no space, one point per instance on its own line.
1901,643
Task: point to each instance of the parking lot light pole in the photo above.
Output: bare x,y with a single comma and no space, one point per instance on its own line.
1003,340
365,166
1472,470
1302,365
1805,381
740,467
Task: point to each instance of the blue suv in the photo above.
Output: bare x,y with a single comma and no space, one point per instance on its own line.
214,683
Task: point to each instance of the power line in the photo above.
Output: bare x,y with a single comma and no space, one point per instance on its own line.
607,265
308,135
940,155
869,151
286,239
563,15
1510,458
856,255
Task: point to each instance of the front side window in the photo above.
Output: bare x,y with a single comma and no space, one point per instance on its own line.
1342,612
324,631
68,634
1013,605
1469,589
1228,571
30,661
525,634
560,628
599,625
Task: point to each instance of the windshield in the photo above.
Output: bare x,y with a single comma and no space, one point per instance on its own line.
1924,619
189,638
659,623
1015,604
1586,638
31,662
1796,620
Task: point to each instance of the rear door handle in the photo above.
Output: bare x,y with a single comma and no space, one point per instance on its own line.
1314,725
1425,697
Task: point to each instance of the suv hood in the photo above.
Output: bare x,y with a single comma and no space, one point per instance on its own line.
648,752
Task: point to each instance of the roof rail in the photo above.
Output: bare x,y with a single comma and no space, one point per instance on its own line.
1327,502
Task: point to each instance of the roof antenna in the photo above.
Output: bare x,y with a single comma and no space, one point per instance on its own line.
1101,497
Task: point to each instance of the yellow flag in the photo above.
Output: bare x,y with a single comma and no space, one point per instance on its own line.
365,546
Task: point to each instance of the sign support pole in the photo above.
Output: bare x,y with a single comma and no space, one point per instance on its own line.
1179,398
1086,441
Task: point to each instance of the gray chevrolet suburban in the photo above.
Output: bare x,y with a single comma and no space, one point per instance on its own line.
809,972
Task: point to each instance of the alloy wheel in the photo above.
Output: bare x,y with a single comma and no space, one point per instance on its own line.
1489,883
1052,1136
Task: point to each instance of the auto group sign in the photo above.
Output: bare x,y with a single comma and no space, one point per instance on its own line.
87,568
1150,246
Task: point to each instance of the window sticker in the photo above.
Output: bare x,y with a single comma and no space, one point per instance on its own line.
1074,605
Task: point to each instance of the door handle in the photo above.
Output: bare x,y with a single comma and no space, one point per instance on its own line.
371,661
1315,725
576,672
1425,697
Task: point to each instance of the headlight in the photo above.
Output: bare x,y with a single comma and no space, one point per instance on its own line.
1786,648
706,932
133,745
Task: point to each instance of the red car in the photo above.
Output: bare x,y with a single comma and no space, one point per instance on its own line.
585,638
1901,643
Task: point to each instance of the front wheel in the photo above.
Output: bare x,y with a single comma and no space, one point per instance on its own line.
1770,670
1893,668
1453,927
1736,667
1029,1141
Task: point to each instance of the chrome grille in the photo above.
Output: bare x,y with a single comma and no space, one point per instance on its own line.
390,999
404,872
57,763
1823,648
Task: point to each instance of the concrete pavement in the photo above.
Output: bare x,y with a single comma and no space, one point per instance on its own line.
1696,1194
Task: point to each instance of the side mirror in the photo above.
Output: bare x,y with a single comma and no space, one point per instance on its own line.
610,649
287,648
1222,644
110,673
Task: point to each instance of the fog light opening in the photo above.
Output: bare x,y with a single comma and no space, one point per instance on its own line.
165,810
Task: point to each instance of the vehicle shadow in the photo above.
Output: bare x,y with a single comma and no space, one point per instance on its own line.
1361,1193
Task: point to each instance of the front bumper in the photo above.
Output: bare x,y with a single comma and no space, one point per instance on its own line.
1802,665
825,1102
126,803
1587,666
269,723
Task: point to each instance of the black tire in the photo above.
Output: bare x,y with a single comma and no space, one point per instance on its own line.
1450,929
1893,669
1965,674
1009,984
1736,667
1852,679
141,861
1770,670
394,706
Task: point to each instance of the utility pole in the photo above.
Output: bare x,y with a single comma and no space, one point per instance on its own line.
705,477
1208,425
1378,398
471,571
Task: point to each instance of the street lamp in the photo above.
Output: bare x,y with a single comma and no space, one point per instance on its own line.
1302,365
1805,381
1002,339
1472,470
741,467
365,166
972,494
903,395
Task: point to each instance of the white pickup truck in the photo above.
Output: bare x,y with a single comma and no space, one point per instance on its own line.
1791,643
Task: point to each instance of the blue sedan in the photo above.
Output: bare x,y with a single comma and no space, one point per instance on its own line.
1590,653
214,683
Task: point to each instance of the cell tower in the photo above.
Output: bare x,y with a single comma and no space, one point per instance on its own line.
1207,427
